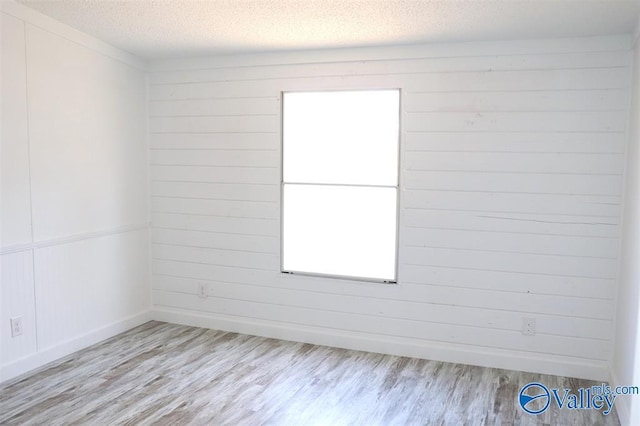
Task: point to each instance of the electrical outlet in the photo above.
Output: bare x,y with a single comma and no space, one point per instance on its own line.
528,326
16,327
203,290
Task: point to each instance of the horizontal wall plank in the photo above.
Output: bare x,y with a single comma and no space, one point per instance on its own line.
269,88
572,205
215,124
231,225
562,163
514,182
215,158
506,281
215,174
511,262
480,121
563,79
517,243
215,141
523,223
540,101
250,243
524,142
216,107
221,191
223,208
221,257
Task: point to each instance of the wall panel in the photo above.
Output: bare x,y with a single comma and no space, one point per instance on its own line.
18,301
15,214
74,169
511,174
85,285
87,138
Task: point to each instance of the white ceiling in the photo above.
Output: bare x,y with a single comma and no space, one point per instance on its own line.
170,28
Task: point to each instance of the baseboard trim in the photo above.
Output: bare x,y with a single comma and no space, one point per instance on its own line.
40,359
623,407
504,359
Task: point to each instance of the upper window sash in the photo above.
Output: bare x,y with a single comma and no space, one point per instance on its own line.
345,137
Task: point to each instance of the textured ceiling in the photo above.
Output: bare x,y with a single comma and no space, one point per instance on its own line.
170,28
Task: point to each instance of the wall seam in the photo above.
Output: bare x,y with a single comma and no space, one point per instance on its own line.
32,250
150,232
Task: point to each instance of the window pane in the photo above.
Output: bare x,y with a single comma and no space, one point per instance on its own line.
338,230
341,137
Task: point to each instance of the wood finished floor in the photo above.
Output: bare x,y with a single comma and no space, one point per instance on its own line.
165,374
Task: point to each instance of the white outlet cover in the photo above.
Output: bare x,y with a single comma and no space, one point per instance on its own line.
17,327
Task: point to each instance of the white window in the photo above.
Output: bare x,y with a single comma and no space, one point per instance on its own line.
340,183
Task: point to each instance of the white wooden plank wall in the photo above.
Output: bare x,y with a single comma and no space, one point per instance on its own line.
512,164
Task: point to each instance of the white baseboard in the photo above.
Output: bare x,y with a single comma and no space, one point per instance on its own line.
623,404
39,359
511,360
436,351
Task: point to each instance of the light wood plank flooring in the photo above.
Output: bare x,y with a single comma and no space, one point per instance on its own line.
165,374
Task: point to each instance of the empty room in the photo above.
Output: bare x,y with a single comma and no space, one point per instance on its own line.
320,212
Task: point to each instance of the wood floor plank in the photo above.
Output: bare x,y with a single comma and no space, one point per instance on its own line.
167,374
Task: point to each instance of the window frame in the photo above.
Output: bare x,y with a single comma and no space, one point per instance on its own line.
397,187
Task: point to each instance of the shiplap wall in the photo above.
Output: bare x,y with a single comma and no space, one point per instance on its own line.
74,250
511,172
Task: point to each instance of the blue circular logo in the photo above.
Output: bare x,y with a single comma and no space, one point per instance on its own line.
534,398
